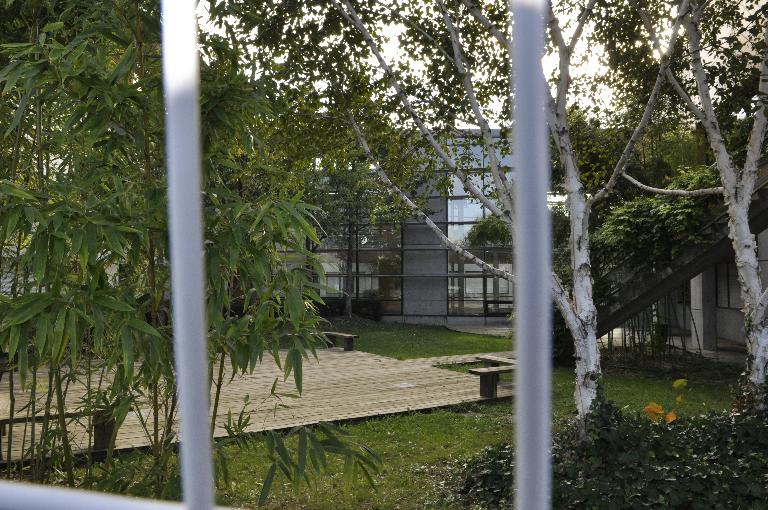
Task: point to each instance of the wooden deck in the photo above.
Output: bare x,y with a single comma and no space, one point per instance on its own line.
339,386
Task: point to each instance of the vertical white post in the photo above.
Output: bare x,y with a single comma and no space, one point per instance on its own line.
181,78
533,252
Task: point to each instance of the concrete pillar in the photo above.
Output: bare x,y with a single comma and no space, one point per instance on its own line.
703,309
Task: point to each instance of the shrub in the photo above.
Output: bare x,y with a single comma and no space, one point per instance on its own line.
718,460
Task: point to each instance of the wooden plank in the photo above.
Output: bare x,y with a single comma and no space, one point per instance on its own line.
338,386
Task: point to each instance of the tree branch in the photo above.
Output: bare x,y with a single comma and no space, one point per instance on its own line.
349,13
674,192
711,126
560,295
475,12
444,240
582,19
757,135
649,106
695,110
502,184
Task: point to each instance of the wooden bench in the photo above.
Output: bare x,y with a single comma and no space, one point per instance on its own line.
102,426
489,378
495,361
349,339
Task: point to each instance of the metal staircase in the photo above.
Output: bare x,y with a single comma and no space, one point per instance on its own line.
633,289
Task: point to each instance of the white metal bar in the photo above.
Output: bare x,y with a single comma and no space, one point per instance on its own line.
533,249
15,496
181,80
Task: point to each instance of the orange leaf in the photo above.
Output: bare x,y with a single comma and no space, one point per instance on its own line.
670,417
654,411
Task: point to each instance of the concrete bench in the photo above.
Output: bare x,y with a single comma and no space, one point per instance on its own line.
348,338
489,378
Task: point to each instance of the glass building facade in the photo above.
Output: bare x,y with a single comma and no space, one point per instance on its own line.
415,278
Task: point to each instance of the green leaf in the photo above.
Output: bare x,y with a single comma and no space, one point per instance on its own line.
58,338
144,327
41,333
74,339
267,484
19,113
126,343
114,241
25,312
23,363
294,304
302,458
13,341
8,188
113,304
53,27
124,66
293,362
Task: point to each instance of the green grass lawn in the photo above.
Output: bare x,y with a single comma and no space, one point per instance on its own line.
422,451
406,341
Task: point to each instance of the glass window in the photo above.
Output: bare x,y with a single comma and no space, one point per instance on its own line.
334,286
380,236
465,296
458,264
334,242
333,261
721,272
379,262
392,307
500,259
458,233
457,187
464,209
380,287
734,289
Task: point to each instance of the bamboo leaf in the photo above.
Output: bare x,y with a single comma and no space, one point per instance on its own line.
126,344
23,363
25,312
58,338
41,333
13,341
8,188
144,327
267,484
113,304
74,339
53,27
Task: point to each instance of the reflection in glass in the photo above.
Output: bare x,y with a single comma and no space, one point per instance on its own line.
334,286
333,261
458,264
464,209
380,287
379,236
458,233
379,262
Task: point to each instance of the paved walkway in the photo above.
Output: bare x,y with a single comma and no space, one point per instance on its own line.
728,351
341,386
503,331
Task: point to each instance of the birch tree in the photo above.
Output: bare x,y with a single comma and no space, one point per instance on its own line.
465,26
713,47
454,70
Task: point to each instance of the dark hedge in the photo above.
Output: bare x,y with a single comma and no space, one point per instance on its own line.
713,461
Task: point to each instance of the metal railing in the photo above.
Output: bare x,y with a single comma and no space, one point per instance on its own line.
533,260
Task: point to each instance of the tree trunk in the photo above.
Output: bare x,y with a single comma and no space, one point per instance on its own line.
349,287
748,268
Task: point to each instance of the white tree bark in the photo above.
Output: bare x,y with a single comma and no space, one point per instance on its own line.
737,189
